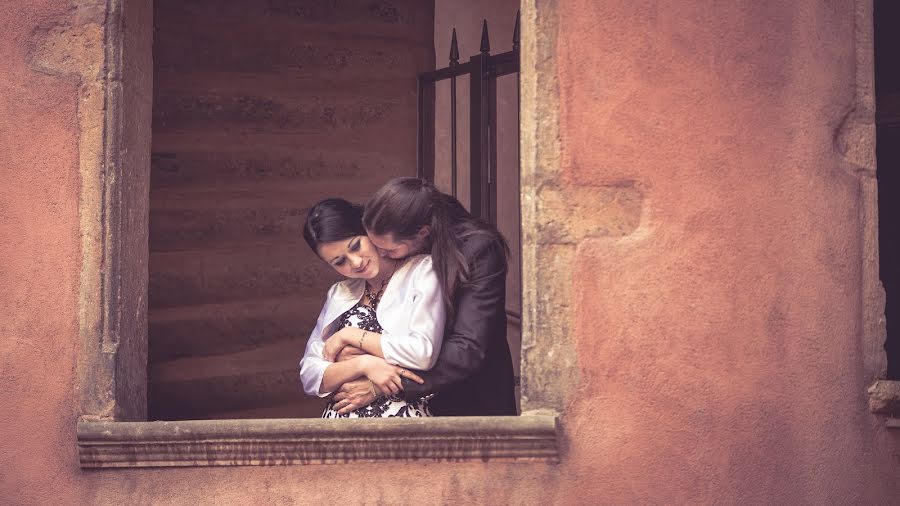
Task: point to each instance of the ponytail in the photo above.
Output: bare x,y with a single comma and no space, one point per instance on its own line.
404,205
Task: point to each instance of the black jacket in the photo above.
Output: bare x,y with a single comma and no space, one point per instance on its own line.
474,372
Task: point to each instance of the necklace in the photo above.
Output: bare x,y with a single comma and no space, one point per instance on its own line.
375,299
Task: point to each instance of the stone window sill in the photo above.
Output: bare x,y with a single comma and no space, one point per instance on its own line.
529,438
884,399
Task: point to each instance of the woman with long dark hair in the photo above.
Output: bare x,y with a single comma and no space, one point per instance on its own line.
391,310
473,374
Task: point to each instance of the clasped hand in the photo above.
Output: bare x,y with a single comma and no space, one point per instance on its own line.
381,378
338,341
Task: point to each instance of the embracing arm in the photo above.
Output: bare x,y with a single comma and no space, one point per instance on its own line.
337,374
418,347
364,340
480,311
321,377
312,365
359,393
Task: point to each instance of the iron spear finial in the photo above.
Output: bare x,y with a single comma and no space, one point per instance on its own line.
485,40
454,50
516,33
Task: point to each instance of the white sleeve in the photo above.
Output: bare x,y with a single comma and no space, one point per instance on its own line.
312,365
420,348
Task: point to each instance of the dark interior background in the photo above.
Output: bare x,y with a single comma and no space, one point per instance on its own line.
887,92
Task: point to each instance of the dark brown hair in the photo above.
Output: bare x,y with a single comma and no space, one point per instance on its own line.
332,220
404,205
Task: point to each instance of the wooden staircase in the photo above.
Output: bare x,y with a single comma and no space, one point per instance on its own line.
262,109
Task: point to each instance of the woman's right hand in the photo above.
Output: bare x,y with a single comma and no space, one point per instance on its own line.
386,377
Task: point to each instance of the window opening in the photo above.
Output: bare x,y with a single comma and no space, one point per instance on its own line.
260,110
887,92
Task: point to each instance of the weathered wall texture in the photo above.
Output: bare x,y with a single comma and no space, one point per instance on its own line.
719,160
696,265
262,109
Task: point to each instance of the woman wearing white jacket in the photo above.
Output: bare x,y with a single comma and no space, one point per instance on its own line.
389,314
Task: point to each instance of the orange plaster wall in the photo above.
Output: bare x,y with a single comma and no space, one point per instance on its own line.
718,343
39,263
721,341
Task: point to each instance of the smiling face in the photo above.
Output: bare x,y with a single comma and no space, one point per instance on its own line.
354,257
390,247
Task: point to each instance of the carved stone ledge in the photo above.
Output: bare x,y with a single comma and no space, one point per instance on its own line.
315,441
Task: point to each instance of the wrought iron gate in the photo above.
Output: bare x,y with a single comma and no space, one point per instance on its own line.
483,70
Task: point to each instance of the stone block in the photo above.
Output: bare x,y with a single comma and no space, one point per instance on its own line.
884,397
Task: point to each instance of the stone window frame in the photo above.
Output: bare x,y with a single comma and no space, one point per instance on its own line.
112,431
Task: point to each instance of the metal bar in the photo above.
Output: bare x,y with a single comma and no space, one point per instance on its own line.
516,37
454,61
504,64
425,169
446,72
479,142
477,125
516,33
429,131
491,134
453,171
420,126
505,58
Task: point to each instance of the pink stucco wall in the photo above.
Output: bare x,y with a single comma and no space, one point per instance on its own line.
722,338
39,248
719,342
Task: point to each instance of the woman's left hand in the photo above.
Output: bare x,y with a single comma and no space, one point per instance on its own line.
337,342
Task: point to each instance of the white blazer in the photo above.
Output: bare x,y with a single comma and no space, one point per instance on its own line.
411,312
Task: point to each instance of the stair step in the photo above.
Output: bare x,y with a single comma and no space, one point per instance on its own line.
193,331
278,356
307,407
197,399
365,17
400,144
251,197
192,278
359,41
187,229
258,378
299,88
258,113
209,166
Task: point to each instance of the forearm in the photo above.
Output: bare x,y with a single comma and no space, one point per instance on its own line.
410,351
480,324
369,342
342,372
457,361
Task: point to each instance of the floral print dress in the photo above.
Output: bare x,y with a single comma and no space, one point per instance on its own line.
364,317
